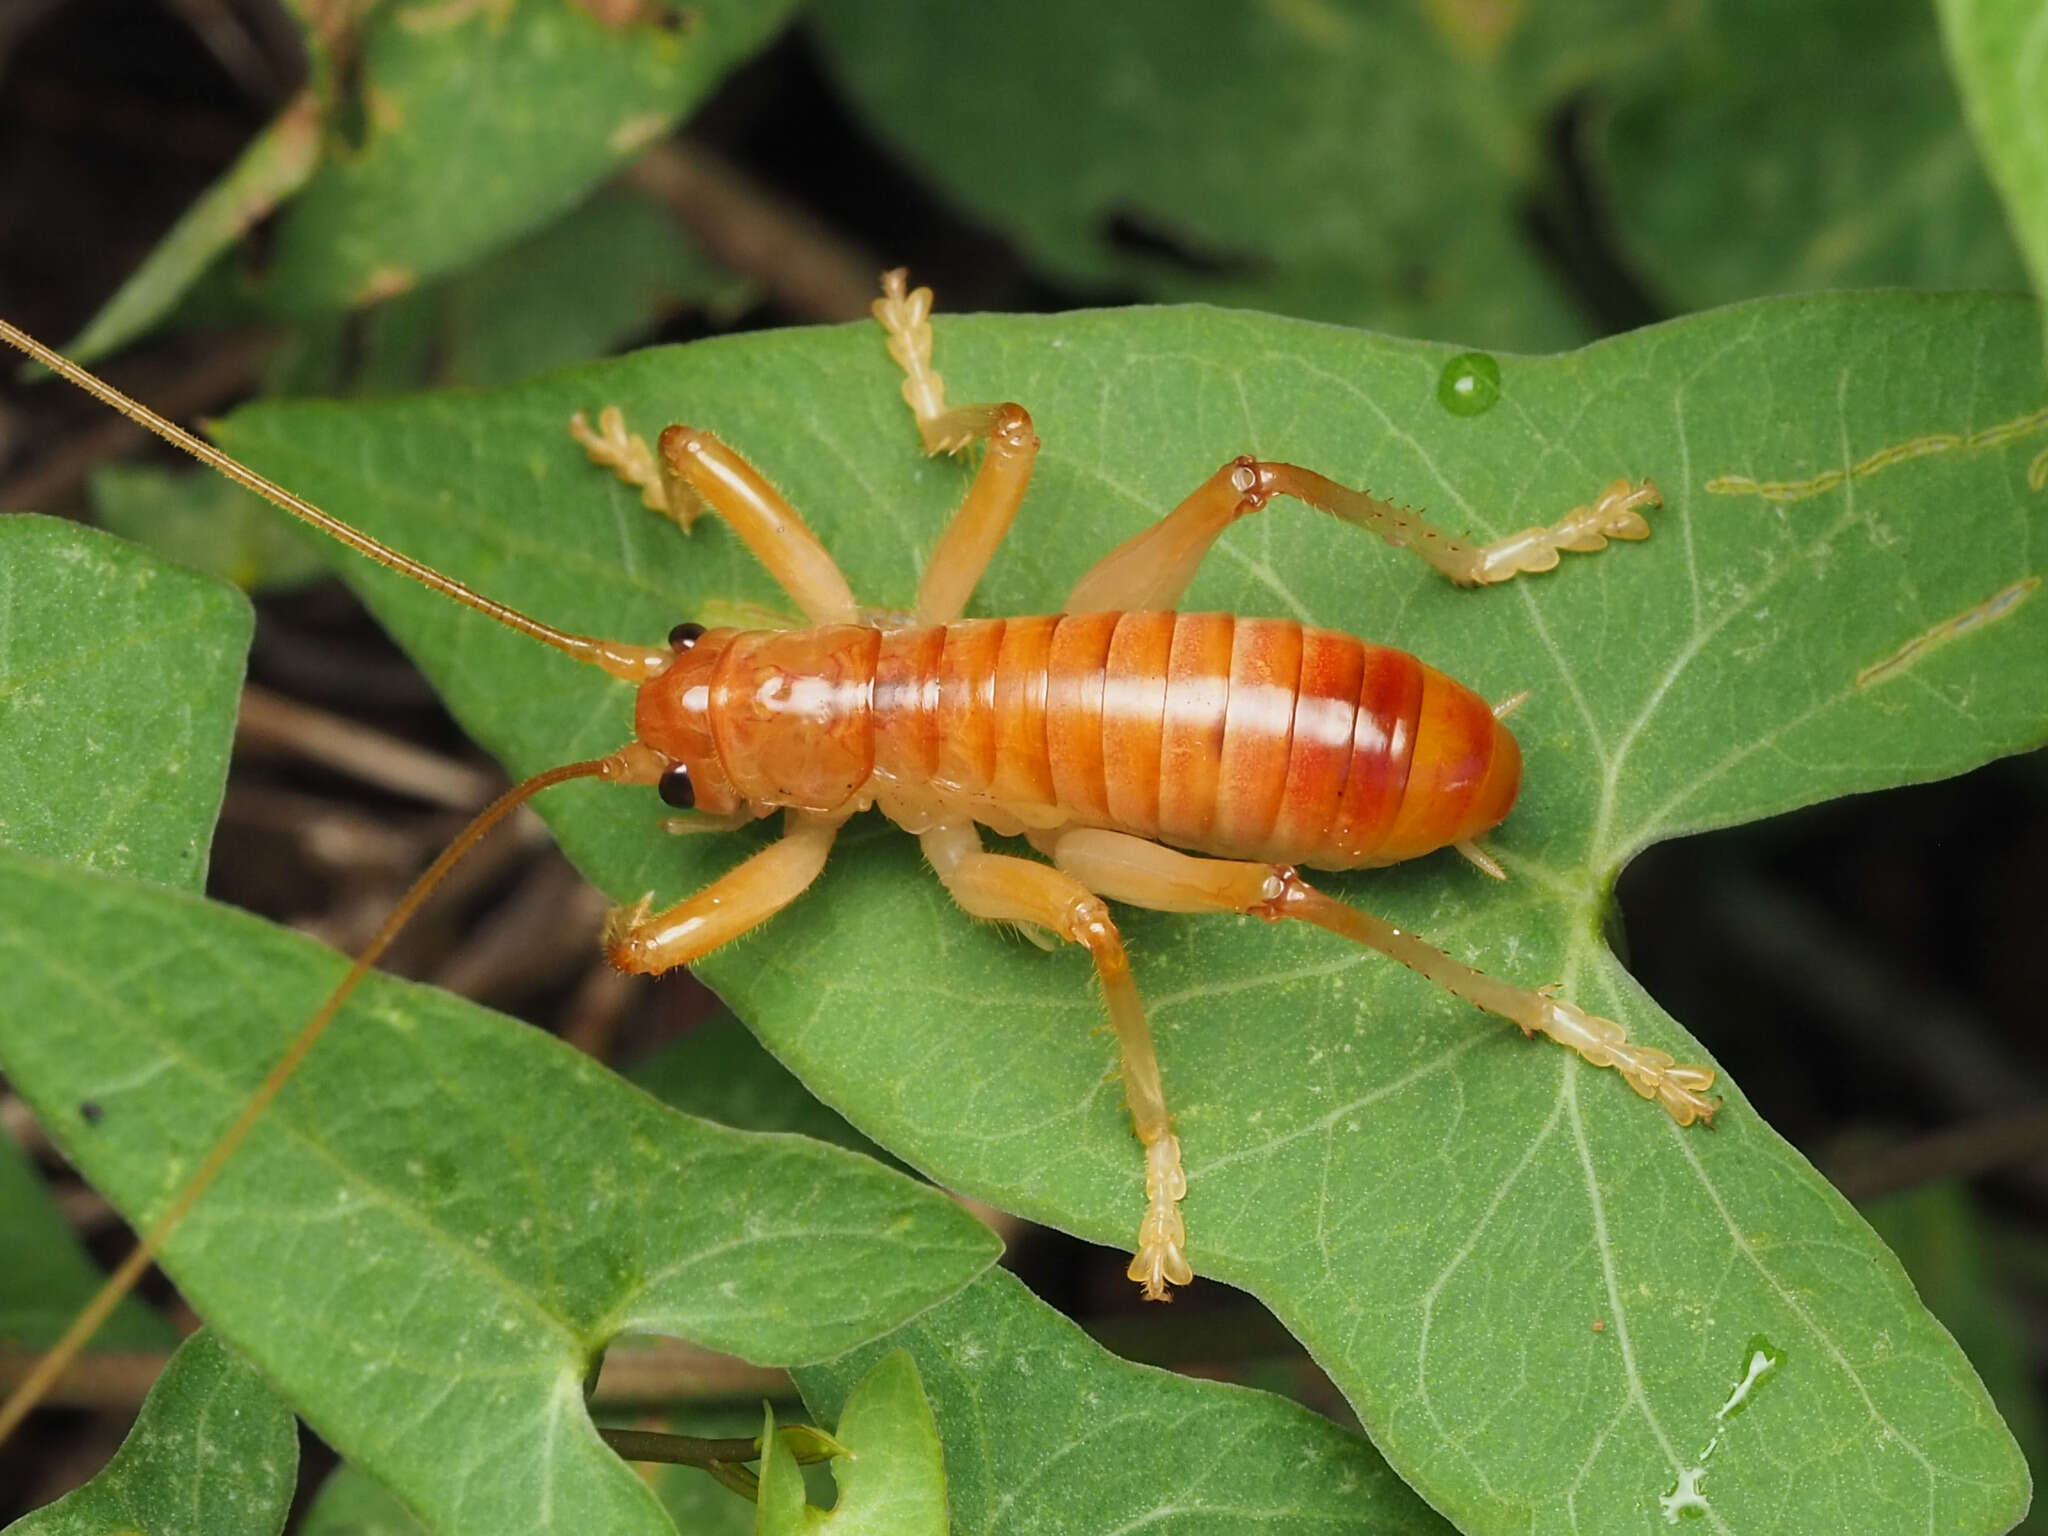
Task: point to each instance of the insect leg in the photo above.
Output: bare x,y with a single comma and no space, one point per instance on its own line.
984,518
742,898
906,317
693,472
1614,514
1006,889
1129,869
1152,569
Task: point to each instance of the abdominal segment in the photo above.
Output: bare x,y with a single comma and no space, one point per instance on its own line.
1246,738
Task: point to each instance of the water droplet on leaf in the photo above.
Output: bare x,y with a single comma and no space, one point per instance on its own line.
1469,384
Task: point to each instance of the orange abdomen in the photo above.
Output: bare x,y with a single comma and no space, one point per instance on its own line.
1246,738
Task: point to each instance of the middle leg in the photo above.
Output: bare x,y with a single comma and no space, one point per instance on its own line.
1142,874
1012,890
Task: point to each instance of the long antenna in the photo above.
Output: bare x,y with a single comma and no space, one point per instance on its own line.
634,663
43,1375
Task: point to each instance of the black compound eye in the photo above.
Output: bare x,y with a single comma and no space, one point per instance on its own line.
676,789
683,636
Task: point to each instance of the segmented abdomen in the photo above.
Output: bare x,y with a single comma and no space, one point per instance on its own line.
1248,738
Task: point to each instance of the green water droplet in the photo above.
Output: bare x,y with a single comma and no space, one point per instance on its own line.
1469,384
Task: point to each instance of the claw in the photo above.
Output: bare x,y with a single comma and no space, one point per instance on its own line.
620,925
1162,1237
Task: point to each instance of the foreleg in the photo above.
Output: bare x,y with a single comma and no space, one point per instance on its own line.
1129,869
694,473
742,898
1005,889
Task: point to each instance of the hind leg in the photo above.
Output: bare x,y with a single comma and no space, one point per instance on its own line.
1142,874
1006,889
1152,568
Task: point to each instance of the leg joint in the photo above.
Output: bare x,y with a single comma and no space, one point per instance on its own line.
1286,893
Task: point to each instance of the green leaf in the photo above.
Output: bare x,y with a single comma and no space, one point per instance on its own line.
538,304
780,1506
446,1215
575,290
353,1503
118,680
102,647
1782,148
201,520
434,135
480,122
1995,48
48,1275
1046,1430
892,1481
1364,164
214,1453
721,1072
1842,592
1017,1388
1940,1235
1381,164
275,165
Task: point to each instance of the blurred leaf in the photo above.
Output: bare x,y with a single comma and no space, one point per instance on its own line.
1385,165
1790,147
201,520
480,122
2000,56
48,1276
275,165
1018,1391
451,127
721,1072
428,1282
1843,592
353,1503
577,289
214,1453
1364,164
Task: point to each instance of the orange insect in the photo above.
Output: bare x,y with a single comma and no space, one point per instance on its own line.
1102,734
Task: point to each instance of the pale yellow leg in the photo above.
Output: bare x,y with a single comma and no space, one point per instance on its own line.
1129,869
1615,514
979,527
693,472
1012,890
1153,567
744,897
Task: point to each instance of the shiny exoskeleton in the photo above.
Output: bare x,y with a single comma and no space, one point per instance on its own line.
1243,738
